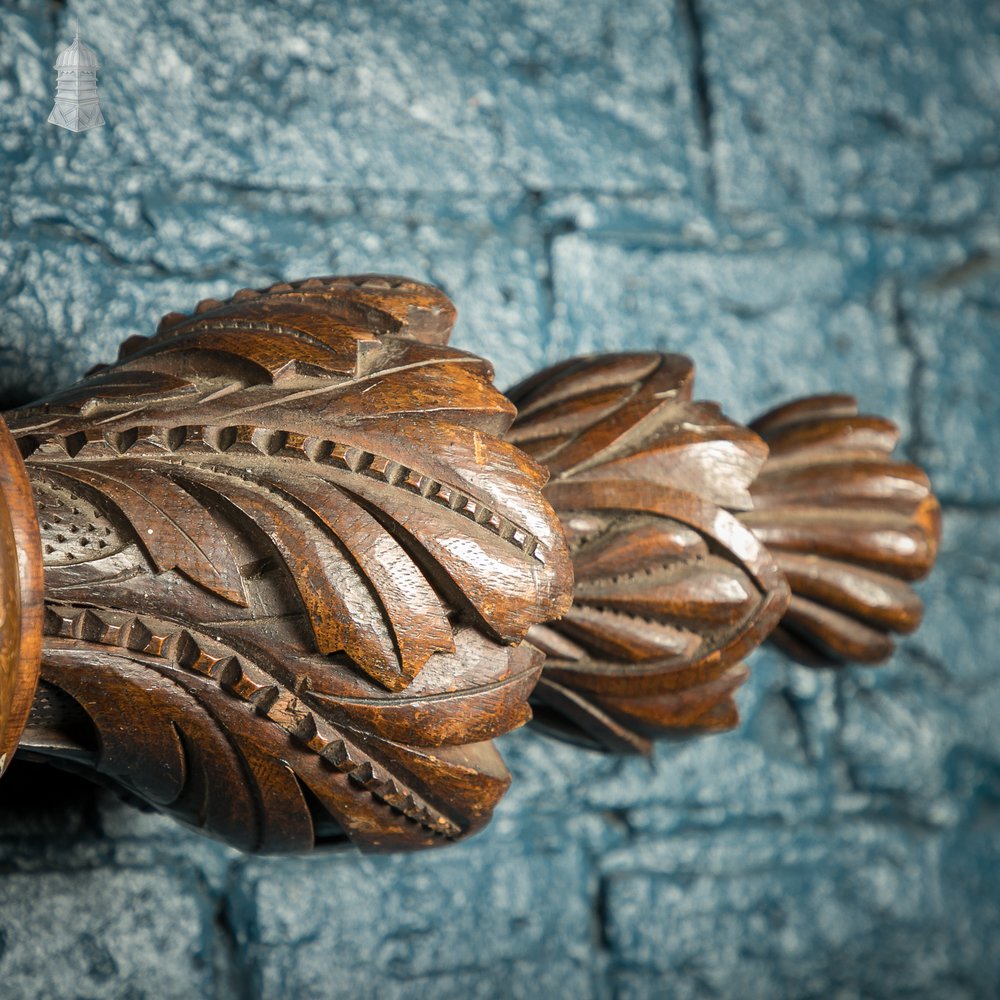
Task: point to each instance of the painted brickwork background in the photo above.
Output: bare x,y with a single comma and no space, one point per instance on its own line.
802,195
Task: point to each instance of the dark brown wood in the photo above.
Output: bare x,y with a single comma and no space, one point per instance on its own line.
300,568
849,526
21,597
671,590
289,565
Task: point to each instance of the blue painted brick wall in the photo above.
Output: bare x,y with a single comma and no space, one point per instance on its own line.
802,196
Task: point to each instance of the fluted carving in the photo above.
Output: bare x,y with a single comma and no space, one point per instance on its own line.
850,527
671,591
693,538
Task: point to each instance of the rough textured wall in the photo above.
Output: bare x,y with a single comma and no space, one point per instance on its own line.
801,195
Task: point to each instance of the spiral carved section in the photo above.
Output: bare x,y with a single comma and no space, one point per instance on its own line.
290,562
671,590
850,527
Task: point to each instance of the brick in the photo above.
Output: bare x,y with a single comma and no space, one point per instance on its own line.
107,932
471,98
906,725
956,331
970,891
463,916
762,323
884,112
960,633
26,40
760,911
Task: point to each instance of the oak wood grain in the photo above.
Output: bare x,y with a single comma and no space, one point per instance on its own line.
21,597
693,539
302,564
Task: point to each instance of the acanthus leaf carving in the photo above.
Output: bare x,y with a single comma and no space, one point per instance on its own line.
668,507
301,567
298,500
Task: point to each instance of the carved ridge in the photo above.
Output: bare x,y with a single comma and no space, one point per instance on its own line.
282,707
644,479
204,440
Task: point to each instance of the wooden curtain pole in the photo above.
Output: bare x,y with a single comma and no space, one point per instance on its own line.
301,563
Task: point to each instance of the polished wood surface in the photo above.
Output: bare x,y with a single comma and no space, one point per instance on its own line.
849,526
289,567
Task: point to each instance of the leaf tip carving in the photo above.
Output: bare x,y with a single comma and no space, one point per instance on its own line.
850,526
671,592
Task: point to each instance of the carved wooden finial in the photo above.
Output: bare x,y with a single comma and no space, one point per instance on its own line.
849,526
294,549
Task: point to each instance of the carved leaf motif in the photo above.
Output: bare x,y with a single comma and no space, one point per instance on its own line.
373,474
184,721
631,417
296,509
849,527
671,591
